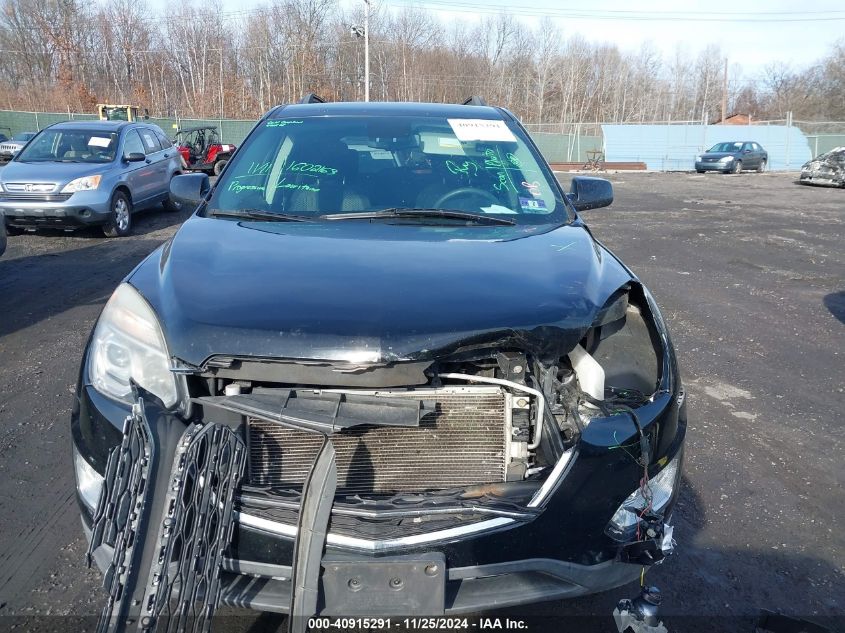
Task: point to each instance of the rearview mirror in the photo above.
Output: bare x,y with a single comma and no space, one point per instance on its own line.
135,157
590,193
189,189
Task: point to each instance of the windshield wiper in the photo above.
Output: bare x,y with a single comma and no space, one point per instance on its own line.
412,212
258,214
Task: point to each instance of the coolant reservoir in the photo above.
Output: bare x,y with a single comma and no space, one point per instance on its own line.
590,374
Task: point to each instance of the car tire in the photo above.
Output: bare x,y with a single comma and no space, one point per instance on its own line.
762,167
737,168
120,216
699,171
219,165
14,230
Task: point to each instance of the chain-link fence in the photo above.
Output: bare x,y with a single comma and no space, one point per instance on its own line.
822,136
559,142
12,122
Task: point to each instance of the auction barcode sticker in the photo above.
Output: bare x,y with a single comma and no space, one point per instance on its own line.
481,130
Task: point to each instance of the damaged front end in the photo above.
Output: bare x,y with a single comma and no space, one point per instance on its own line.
827,170
487,474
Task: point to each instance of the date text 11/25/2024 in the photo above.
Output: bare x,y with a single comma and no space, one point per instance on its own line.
417,624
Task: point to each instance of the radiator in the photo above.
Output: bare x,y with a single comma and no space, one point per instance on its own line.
461,443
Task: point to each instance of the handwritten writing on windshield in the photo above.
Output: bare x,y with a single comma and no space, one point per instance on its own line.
314,168
533,188
282,123
493,161
236,187
307,169
467,168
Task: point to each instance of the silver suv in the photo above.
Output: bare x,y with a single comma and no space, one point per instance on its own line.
10,147
76,174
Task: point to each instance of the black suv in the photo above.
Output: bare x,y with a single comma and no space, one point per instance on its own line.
383,369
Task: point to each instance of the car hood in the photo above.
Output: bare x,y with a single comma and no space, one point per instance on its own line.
833,162
52,172
374,292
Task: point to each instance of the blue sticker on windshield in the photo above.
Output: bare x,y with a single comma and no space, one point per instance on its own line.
530,204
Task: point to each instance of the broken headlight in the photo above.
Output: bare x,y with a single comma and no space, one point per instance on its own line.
659,488
128,345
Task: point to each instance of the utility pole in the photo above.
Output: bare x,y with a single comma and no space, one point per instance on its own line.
366,50
725,92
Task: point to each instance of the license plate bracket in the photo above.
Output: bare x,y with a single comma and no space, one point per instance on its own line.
396,585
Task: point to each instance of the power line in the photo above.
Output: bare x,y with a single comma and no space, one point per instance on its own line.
450,6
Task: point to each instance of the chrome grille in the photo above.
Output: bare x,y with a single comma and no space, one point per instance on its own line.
461,443
35,197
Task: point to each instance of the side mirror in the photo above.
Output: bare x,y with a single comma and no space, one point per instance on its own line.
135,157
189,189
590,193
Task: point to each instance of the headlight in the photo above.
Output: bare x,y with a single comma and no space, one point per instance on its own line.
128,344
726,159
89,482
698,159
662,485
87,183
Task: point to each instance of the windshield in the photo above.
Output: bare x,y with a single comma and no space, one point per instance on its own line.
23,137
71,146
726,147
116,113
315,166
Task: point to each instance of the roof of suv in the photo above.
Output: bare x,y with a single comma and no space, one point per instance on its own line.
112,126
387,108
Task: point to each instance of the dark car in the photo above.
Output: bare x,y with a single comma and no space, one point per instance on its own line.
827,169
732,157
384,368
88,173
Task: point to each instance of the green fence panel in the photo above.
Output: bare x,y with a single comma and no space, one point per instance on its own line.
13,122
821,143
566,148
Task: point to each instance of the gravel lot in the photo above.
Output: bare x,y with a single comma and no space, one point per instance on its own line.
750,273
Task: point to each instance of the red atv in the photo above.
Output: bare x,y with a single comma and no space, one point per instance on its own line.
202,150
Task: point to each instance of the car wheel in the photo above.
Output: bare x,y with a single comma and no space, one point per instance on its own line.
120,218
699,171
219,165
14,230
737,167
762,166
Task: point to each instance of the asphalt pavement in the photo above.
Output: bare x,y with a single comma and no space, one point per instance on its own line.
750,273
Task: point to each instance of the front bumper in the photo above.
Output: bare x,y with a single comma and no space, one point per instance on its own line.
822,178
559,551
715,166
267,586
83,208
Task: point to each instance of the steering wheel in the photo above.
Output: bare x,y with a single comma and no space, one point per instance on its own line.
465,191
